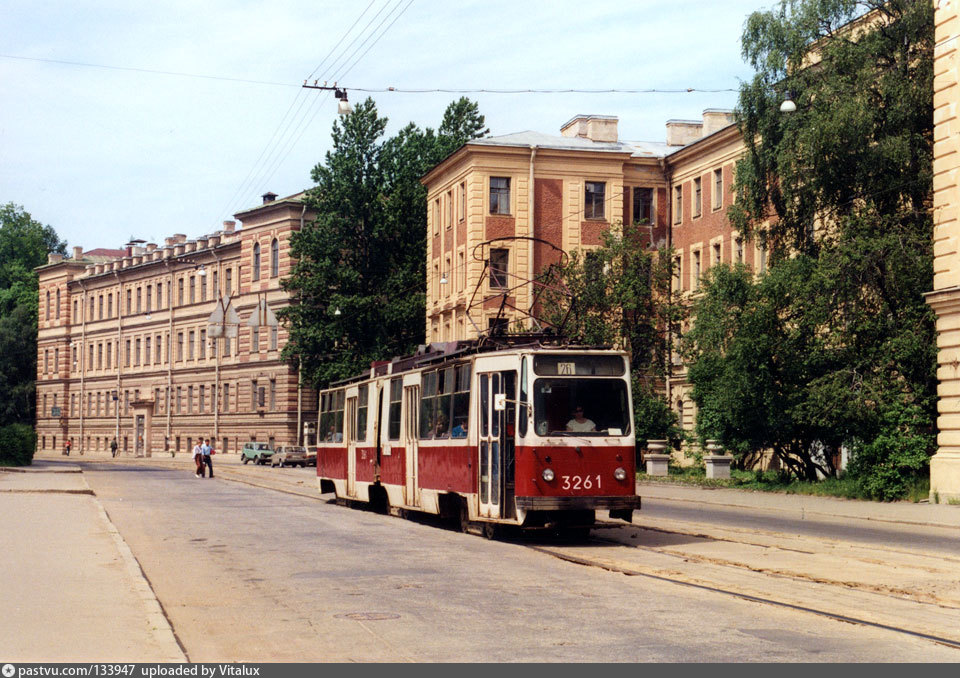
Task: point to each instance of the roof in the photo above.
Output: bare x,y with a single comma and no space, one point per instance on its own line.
104,252
529,138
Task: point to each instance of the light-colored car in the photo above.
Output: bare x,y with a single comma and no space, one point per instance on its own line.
292,455
258,453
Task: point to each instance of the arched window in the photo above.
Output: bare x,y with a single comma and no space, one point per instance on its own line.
56,311
256,261
48,305
274,258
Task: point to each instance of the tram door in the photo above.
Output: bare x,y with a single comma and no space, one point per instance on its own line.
350,440
497,418
410,436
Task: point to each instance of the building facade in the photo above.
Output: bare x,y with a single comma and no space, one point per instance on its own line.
158,346
500,209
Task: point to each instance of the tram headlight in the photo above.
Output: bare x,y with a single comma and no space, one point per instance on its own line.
620,474
548,475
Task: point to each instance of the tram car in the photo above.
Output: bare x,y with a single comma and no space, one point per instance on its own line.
536,436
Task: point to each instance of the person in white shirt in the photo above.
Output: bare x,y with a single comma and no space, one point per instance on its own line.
579,423
206,450
198,458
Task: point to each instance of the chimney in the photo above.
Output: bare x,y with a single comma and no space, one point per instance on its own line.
269,197
601,128
179,238
54,258
715,119
78,253
683,132
228,226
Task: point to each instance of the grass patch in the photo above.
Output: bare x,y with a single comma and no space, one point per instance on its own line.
845,487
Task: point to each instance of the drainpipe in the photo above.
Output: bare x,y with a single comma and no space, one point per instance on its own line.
83,351
215,342
667,174
169,355
116,404
531,190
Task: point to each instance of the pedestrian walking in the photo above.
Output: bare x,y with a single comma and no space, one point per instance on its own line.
198,458
207,450
113,447
66,448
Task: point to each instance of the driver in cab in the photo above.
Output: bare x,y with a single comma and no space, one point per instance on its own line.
579,423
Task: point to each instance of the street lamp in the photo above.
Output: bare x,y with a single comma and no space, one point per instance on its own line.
343,106
788,105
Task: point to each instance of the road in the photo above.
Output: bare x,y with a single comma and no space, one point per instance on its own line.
248,573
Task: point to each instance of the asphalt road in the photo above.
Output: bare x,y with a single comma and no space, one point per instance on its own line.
250,574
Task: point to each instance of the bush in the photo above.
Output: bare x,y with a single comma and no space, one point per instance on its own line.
17,443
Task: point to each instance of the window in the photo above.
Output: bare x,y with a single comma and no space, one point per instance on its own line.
129,302
331,416
226,397
180,292
201,404
75,318
449,210
274,258
360,431
109,358
139,300
739,244
91,309
273,395
203,288
149,298
56,362
193,289
716,254
274,331
256,261
147,353
110,304
179,399
159,295
463,200
499,195
179,346
717,189
190,344
100,307
156,399
677,279
189,399
49,305
642,205
56,309
697,197
396,391
253,395
158,357
763,259
594,200
203,345
136,352
461,272
436,216
216,285
100,356
254,339
126,354
499,267
75,358
228,282
677,204
695,274
90,362
46,360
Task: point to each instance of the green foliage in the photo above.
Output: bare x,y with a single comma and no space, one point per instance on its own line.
364,254
17,443
839,192
24,245
619,295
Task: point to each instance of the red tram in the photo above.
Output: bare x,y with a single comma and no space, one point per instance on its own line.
533,435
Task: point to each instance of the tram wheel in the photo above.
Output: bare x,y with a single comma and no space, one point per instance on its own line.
464,517
491,530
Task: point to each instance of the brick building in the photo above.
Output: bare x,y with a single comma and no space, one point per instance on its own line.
491,195
126,347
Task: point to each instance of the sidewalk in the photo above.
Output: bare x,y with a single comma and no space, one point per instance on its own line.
71,590
802,505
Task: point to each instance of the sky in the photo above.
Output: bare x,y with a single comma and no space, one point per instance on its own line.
123,120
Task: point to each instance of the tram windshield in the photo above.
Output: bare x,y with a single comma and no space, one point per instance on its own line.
572,406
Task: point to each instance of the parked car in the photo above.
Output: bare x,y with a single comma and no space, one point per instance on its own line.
292,455
258,453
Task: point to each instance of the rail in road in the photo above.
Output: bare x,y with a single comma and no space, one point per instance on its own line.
909,590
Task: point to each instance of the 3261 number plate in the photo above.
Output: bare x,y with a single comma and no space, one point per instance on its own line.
580,482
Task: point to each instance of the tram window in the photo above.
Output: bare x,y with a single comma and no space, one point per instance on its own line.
523,399
484,401
445,383
461,402
428,399
361,433
331,416
396,390
605,402
578,365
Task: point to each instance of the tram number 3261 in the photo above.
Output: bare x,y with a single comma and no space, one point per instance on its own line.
580,483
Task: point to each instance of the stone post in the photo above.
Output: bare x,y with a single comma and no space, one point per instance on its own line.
656,458
716,462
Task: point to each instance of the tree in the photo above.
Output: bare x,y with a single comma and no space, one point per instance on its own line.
24,245
358,286
845,183
619,295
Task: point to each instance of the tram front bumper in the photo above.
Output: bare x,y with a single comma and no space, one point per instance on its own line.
620,505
